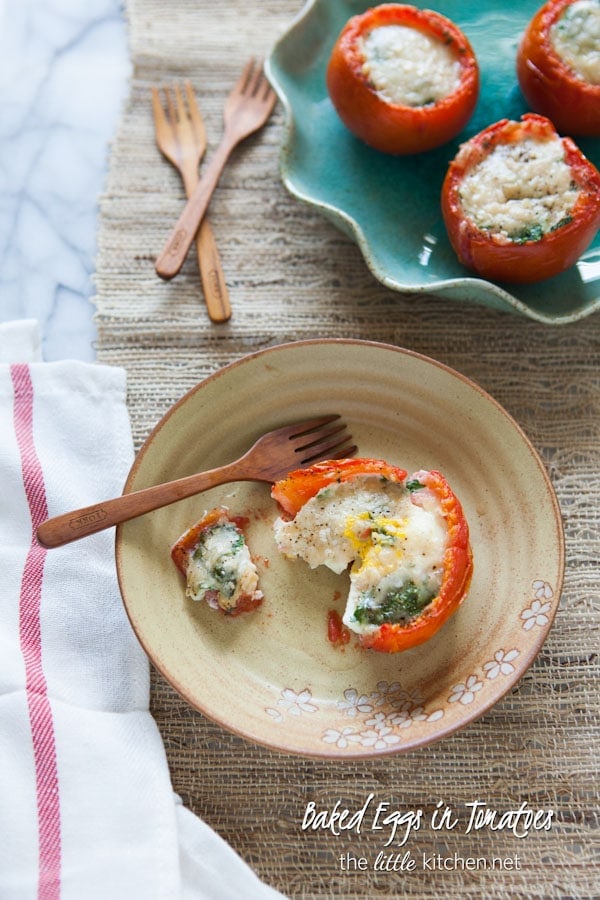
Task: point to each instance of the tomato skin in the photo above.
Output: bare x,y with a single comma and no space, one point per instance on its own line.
458,569
295,490
337,633
181,549
495,256
300,485
188,541
549,84
389,127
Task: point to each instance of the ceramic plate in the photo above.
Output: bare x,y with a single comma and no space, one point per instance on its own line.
272,675
390,205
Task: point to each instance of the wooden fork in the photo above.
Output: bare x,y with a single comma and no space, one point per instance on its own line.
181,138
272,456
247,108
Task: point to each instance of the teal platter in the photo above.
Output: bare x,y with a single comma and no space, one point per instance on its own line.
391,205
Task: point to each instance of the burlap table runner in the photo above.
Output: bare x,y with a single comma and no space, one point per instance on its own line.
292,275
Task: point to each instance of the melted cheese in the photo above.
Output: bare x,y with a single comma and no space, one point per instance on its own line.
407,67
520,190
575,37
220,568
374,526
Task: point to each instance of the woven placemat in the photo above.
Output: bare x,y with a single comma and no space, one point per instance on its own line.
293,276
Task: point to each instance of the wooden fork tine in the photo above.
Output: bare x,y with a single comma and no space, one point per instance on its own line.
171,112
184,123
315,440
195,115
333,450
305,429
268,94
344,452
243,81
255,79
318,437
180,105
165,137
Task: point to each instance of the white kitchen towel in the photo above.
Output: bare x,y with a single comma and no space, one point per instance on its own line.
87,808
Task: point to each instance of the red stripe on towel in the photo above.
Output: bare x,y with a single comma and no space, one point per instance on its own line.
40,711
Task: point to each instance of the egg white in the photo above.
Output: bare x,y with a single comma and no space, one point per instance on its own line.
221,568
375,527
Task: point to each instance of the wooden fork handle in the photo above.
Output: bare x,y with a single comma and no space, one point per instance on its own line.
216,295
214,286
88,520
182,235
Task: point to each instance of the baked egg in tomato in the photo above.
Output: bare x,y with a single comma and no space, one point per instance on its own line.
519,202
403,80
558,65
404,540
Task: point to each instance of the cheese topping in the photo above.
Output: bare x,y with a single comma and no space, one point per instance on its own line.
520,190
407,67
220,568
575,37
394,546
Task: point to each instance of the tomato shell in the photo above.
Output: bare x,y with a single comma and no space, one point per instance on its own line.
181,549
393,128
185,545
300,485
549,84
496,257
295,490
458,569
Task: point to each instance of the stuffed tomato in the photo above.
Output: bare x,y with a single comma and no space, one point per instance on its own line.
214,558
558,65
403,79
404,539
520,203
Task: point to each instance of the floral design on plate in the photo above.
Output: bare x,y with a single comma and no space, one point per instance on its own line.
293,703
536,614
501,664
379,718
464,692
383,714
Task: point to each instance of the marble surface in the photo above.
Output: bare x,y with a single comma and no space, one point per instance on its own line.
64,69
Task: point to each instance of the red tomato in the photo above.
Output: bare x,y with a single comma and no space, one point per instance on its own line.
391,127
300,485
337,633
295,490
549,83
188,541
537,254
456,578
186,544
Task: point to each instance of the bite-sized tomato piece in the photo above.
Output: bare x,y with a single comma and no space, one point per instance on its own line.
214,558
300,485
519,202
403,80
337,633
404,541
558,65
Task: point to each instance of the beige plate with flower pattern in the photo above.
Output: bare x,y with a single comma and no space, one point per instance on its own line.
272,676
